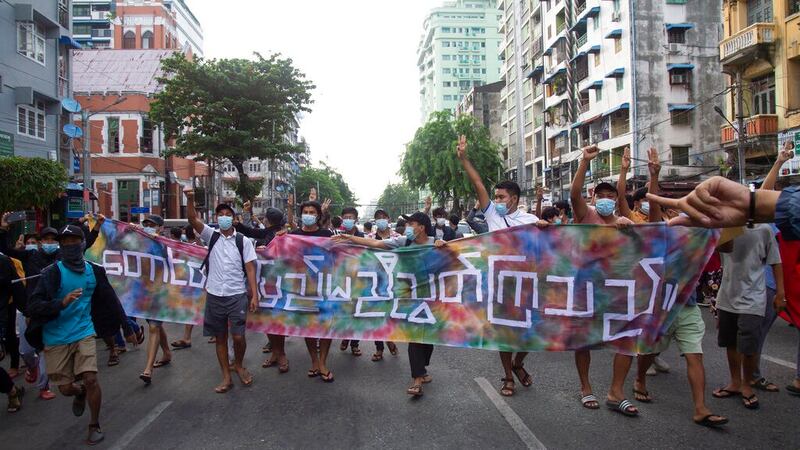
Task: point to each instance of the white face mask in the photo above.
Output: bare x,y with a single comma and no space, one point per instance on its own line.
441,221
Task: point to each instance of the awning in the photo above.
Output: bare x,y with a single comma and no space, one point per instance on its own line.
593,119
579,55
616,73
595,49
618,108
555,74
537,69
581,23
680,106
598,84
616,34
548,51
69,42
671,67
594,11
561,133
576,125
679,26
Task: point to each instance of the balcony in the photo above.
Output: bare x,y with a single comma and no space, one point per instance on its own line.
581,41
101,32
761,125
579,9
744,46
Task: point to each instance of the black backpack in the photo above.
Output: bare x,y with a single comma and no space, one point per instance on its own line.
214,239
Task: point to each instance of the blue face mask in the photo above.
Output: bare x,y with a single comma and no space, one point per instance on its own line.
382,224
150,230
184,238
309,219
50,248
348,224
501,208
225,222
645,207
558,222
31,247
605,206
410,233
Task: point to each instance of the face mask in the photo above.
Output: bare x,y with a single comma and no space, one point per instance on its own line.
50,248
558,222
309,219
225,222
150,230
184,238
501,208
605,206
348,224
410,234
645,207
72,256
382,224
31,247
441,222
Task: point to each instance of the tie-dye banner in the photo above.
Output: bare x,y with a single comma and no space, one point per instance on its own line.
519,289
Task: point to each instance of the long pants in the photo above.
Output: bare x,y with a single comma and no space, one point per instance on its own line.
12,341
419,356
6,383
29,355
378,346
769,318
119,339
798,356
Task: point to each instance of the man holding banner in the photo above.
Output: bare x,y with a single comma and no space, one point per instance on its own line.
229,263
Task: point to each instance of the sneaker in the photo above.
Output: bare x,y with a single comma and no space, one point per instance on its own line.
95,435
79,402
661,365
46,394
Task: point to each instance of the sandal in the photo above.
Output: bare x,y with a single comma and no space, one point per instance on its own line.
642,396
181,344
415,390
312,373
724,393
377,356
161,363
590,402
15,400
212,340
147,378
140,336
267,348
221,389
763,385
355,351
625,407
507,390
327,377
707,422
95,435
526,379
269,363
750,402
343,345
426,378
113,360
392,348
283,368
792,390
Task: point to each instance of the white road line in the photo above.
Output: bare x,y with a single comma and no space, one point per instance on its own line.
519,427
128,437
779,361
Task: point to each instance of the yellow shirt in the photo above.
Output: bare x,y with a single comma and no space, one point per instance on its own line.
638,217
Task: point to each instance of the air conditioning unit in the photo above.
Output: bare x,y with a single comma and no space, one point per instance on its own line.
616,16
679,78
674,48
51,155
673,172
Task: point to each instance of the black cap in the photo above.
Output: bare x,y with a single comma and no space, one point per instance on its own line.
381,212
605,186
48,230
422,219
223,207
274,216
155,219
70,230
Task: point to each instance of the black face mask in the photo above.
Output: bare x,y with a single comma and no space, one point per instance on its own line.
72,256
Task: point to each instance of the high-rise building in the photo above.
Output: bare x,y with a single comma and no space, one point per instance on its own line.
761,48
483,103
132,24
458,50
614,73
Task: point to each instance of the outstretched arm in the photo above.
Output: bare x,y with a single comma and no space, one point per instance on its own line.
622,184
472,174
371,243
654,166
539,197
191,214
786,154
576,191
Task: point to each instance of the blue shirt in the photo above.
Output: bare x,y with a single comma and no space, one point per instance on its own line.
787,213
75,321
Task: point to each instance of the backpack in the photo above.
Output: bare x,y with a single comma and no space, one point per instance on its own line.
239,245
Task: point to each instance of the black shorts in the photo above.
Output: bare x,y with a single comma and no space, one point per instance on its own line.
224,312
739,330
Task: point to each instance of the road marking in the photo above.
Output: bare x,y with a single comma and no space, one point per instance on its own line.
779,361
522,430
128,437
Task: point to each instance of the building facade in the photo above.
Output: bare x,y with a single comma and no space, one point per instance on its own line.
137,24
483,103
458,50
35,75
761,47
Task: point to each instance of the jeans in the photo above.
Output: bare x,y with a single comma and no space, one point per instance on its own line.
769,318
119,339
29,355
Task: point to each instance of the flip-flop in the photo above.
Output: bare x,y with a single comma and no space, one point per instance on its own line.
645,394
508,388
146,378
161,363
343,345
586,400
763,385
622,407
415,390
269,363
179,345
327,377
392,348
223,389
377,356
313,373
283,368
724,393
707,422
750,402
526,379
792,390
113,360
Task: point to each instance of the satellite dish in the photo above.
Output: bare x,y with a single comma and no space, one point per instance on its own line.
73,130
71,105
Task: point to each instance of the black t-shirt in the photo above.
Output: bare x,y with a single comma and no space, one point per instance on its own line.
321,232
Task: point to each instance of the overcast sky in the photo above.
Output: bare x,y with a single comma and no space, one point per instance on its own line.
361,54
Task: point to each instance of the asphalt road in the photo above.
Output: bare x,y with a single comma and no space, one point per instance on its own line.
367,407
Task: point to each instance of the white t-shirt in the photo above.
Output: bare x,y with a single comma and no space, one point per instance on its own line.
512,219
225,274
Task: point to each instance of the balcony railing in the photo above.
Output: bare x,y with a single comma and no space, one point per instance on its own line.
582,40
583,107
63,87
580,8
761,125
747,39
560,27
101,32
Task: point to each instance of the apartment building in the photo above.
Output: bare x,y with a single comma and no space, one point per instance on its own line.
458,50
483,103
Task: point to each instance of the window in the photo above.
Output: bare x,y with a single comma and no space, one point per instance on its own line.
129,40
598,95
446,71
30,41
764,95
446,44
680,117
680,77
82,29
31,120
676,36
483,71
446,84
146,142
476,71
81,10
596,23
445,57
617,45
680,156
147,39
620,83
445,29
113,135
596,59
759,11
448,98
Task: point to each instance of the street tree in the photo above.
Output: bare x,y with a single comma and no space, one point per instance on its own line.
35,183
231,109
430,162
328,184
399,199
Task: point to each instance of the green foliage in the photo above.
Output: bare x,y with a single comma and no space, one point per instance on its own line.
231,109
430,160
331,186
399,199
36,182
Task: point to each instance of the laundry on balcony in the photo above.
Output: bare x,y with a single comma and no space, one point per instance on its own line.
616,34
621,107
616,73
595,49
680,106
679,26
671,67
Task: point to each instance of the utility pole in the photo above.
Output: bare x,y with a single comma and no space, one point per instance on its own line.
87,162
742,132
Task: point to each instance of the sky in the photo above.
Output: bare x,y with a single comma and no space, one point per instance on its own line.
361,55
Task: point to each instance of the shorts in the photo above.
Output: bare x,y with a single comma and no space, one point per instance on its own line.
687,331
739,330
220,311
65,362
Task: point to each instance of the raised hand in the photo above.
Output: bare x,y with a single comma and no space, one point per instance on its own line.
461,148
312,195
653,164
20,244
626,159
714,203
325,205
100,219
539,192
787,153
590,152
290,201
189,193
428,202
4,220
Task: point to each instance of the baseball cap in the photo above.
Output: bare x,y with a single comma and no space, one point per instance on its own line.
274,216
605,186
156,219
223,207
48,230
70,230
422,219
